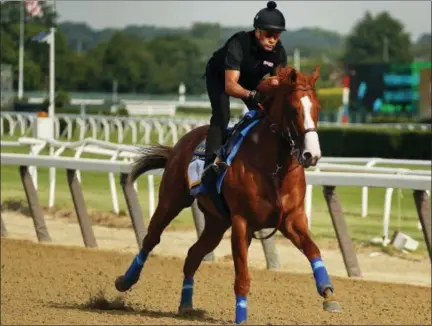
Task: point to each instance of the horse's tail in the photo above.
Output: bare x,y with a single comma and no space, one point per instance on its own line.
152,157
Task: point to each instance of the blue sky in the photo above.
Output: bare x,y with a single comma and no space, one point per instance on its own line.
337,16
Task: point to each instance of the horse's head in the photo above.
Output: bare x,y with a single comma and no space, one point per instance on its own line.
293,111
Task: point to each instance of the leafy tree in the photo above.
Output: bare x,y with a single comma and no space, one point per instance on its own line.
177,60
366,42
128,61
422,48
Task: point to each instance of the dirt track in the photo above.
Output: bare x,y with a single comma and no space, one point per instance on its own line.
49,284
52,284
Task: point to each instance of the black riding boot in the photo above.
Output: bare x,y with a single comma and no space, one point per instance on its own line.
213,142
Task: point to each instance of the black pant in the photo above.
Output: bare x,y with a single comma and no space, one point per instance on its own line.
220,116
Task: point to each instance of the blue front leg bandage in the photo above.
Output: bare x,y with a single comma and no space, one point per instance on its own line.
241,309
322,278
187,292
133,273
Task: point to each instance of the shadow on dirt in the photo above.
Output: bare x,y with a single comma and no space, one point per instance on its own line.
118,306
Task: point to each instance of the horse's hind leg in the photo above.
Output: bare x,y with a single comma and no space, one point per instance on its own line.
172,201
211,236
295,228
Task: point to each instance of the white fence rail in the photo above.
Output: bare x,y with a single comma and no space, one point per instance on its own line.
416,182
419,183
330,169
168,130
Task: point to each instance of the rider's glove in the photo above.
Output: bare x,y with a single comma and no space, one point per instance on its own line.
253,99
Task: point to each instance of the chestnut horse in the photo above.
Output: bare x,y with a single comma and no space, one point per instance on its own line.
264,187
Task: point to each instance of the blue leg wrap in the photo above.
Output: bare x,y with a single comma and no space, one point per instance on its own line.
133,273
187,292
322,278
241,309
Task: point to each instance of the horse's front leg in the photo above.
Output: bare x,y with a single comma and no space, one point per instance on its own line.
239,245
295,228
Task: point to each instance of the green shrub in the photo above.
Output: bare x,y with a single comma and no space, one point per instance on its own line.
374,142
235,112
330,101
393,119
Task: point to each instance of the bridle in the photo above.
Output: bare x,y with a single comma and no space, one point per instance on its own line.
295,151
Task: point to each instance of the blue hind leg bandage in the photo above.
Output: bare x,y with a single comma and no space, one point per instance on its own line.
322,278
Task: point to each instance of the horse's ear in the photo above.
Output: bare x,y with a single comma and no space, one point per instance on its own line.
316,74
292,76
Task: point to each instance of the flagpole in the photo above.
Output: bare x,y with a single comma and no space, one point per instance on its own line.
52,104
52,67
21,53
52,73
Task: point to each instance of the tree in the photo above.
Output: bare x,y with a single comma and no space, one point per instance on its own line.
36,55
422,48
372,37
177,59
127,60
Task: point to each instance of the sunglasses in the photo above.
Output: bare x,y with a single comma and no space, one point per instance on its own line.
270,33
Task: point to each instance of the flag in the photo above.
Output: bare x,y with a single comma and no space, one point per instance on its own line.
33,8
44,36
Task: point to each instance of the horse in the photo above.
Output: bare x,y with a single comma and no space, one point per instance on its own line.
263,187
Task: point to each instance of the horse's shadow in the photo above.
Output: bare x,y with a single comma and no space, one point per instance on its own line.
122,309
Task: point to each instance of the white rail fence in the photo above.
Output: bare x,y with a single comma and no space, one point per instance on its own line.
127,153
418,182
168,130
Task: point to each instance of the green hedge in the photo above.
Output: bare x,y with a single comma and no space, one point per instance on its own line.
330,102
235,112
374,142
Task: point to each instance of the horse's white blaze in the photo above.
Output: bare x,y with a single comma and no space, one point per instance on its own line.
312,144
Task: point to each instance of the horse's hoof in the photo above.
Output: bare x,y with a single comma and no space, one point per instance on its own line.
240,322
120,284
185,310
331,306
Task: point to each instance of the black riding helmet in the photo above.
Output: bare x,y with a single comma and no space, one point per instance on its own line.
270,18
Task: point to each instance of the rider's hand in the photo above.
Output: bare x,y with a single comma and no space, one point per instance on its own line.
274,81
253,99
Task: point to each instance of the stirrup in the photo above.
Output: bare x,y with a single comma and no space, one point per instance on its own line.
211,167
211,172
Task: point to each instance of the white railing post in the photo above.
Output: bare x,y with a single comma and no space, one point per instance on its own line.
151,195
386,219
106,128
94,130
364,211
308,205
113,186
51,199
35,150
78,155
147,132
161,132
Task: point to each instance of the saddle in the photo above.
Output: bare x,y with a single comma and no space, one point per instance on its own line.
233,138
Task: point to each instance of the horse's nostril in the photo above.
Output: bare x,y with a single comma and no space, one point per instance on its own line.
307,156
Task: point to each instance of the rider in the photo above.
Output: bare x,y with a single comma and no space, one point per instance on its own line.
236,69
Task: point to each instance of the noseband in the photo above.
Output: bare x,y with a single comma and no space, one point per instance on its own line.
295,151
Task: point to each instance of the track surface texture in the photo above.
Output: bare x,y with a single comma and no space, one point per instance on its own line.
50,284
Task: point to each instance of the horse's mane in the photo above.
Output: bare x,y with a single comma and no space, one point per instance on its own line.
288,77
